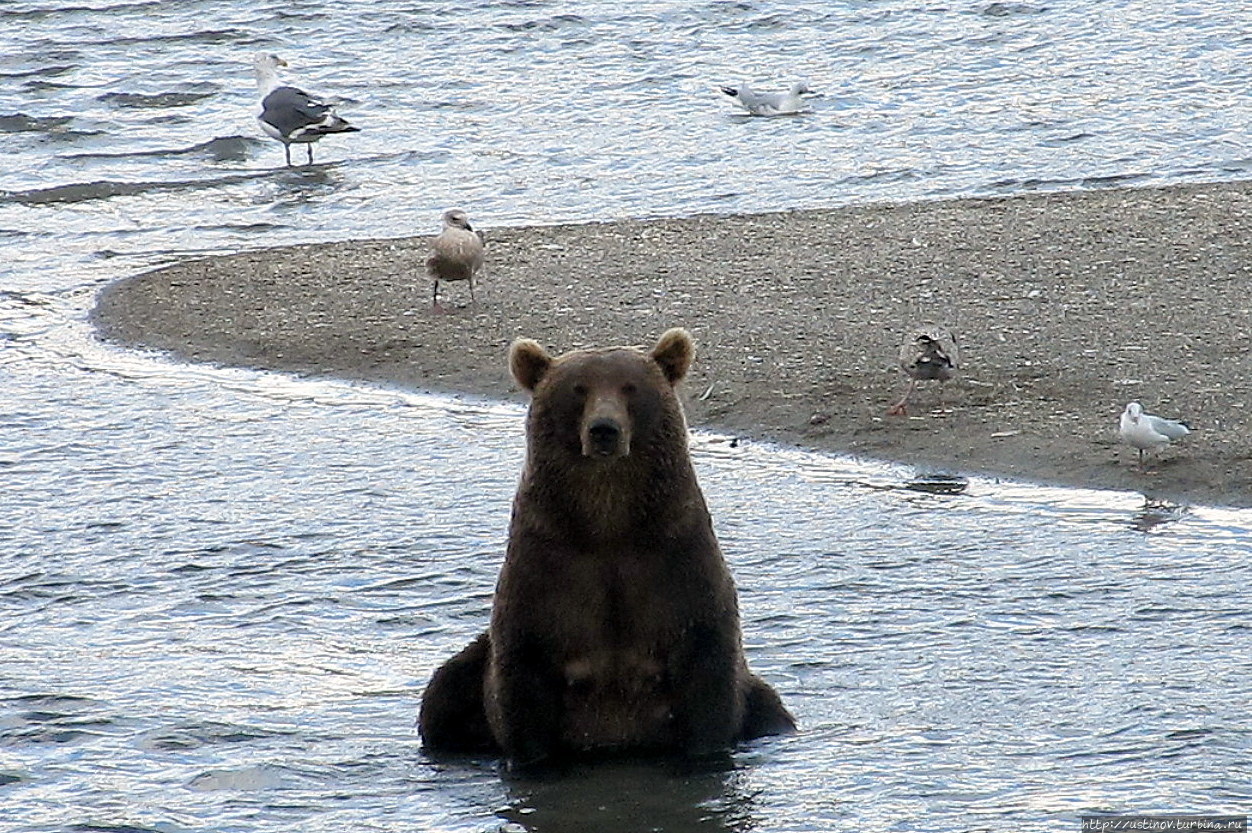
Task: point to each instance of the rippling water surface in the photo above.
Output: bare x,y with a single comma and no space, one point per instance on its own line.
222,591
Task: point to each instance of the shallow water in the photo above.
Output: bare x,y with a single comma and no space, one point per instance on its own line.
224,590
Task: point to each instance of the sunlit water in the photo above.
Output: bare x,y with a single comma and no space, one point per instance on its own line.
222,591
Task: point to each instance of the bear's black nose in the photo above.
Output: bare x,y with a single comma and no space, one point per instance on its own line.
605,435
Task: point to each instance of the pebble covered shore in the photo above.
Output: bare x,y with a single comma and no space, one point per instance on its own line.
1066,306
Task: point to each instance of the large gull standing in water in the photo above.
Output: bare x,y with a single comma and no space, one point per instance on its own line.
291,115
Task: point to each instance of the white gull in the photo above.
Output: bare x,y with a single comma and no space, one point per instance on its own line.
769,104
1148,432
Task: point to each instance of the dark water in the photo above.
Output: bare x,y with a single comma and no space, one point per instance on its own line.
222,591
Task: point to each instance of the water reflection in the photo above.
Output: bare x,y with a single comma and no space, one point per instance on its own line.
938,483
1155,513
305,184
631,796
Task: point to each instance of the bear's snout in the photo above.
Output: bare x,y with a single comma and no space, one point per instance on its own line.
605,429
604,437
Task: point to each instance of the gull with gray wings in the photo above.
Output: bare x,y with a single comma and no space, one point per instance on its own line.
769,104
1148,432
291,115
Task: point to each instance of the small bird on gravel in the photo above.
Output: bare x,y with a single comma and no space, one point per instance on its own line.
1148,432
769,104
456,254
928,352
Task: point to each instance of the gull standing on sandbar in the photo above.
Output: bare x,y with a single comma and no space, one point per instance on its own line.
291,115
1148,432
929,352
456,254
769,104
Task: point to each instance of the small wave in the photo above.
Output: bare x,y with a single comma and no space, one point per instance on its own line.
547,24
1113,180
197,735
1009,9
303,16
884,176
938,483
1014,185
407,26
227,148
48,726
79,192
246,779
27,299
242,228
220,149
50,700
105,189
36,85
164,99
1065,140
40,72
56,11
22,123
229,36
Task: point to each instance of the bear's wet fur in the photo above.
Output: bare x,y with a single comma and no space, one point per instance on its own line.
615,624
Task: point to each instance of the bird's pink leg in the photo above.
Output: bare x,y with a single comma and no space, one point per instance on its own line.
899,409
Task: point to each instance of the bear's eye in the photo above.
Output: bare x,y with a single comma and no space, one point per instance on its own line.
580,390
629,388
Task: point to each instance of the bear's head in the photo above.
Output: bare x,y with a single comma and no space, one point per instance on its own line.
597,404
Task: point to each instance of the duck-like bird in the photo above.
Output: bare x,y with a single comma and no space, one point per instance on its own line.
456,254
769,104
1148,432
291,115
929,352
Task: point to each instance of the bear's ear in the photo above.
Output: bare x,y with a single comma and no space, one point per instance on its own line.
528,361
674,351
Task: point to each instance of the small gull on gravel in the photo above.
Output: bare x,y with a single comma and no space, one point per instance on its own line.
456,254
1148,432
769,104
291,115
928,352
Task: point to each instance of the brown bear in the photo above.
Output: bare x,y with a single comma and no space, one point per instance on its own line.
615,625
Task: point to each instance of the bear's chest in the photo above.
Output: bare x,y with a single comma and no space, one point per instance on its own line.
617,665
618,600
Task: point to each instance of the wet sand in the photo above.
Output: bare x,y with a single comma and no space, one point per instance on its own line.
1066,307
